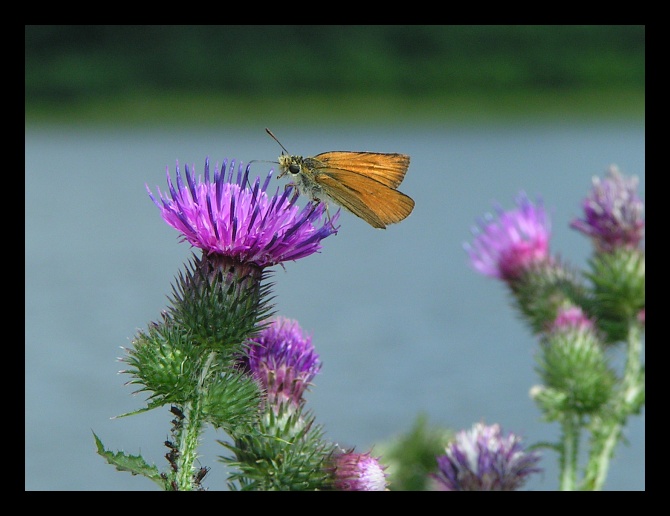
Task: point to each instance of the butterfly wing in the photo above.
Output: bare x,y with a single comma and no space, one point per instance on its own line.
387,168
367,198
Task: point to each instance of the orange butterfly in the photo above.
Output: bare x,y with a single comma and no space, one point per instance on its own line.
362,182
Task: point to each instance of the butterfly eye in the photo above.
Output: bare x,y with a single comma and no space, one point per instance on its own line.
293,168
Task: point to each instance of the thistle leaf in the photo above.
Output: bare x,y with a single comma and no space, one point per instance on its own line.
134,464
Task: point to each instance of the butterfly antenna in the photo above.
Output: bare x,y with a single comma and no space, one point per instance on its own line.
275,139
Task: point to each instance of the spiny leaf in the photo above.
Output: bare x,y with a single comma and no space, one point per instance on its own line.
150,406
135,464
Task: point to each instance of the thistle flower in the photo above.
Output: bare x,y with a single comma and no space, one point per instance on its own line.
226,215
573,366
571,318
286,450
358,472
482,459
612,213
613,220
283,359
514,247
518,240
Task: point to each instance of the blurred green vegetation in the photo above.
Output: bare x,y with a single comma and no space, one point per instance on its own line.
410,458
163,73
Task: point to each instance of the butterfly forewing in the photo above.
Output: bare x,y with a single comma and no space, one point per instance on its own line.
387,168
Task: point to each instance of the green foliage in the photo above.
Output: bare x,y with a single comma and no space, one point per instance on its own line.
219,307
134,464
227,400
637,398
165,362
212,310
73,62
190,359
618,281
538,294
574,366
284,452
412,457
462,66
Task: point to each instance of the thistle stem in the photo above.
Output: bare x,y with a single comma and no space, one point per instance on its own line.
626,403
188,446
569,452
190,436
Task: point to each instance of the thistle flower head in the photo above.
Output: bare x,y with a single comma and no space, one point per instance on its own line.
283,359
358,472
573,366
571,318
482,459
612,213
225,214
517,240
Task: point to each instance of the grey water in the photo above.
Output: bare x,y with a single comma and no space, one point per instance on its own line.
402,324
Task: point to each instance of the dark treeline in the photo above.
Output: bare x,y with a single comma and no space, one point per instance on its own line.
69,63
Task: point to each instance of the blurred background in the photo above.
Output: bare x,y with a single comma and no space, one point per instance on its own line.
403,325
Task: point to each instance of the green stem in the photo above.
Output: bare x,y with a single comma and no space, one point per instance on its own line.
633,380
190,435
569,452
599,463
626,403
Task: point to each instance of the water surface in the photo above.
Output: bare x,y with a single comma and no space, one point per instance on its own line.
401,322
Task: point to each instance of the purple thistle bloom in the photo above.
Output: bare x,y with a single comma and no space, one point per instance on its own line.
570,318
512,244
283,359
358,472
482,459
612,213
228,216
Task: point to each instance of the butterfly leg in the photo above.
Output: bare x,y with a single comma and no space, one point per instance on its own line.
317,201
